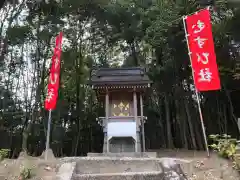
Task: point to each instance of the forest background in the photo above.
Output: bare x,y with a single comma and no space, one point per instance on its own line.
107,33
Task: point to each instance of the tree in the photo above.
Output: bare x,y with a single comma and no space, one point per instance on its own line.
105,33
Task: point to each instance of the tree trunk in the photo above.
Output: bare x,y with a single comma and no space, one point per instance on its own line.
189,120
182,124
168,123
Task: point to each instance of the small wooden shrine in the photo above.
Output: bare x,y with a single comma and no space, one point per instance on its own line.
121,90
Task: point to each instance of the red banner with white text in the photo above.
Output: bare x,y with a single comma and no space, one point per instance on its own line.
53,82
201,47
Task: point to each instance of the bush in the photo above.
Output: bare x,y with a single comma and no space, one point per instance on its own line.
225,146
236,162
26,173
4,153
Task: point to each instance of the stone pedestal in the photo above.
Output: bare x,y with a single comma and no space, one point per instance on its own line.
49,154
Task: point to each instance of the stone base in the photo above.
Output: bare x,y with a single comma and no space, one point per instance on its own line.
22,155
120,176
66,171
105,165
50,155
133,154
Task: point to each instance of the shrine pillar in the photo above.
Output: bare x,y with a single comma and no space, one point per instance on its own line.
137,140
105,142
142,121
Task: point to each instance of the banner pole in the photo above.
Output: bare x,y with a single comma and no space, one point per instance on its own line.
48,134
196,92
202,123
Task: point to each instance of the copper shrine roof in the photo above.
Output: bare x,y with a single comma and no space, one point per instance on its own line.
119,76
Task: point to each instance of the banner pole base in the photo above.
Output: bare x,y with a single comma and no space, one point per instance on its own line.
48,134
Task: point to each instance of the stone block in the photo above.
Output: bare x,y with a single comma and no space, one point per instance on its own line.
66,171
151,154
49,153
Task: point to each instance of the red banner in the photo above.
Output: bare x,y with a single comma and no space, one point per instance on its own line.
201,47
53,82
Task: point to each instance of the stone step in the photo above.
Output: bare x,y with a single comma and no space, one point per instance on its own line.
114,168
151,175
97,166
45,178
125,154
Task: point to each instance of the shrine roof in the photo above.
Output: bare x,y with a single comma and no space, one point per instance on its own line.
119,76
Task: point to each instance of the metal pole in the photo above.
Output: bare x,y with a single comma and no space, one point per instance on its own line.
48,134
196,92
202,123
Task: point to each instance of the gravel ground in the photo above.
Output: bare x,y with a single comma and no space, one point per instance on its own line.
199,166
204,168
10,169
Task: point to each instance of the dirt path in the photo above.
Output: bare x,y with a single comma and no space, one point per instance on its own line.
10,169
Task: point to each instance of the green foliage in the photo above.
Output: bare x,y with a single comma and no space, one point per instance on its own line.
236,162
224,145
4,153
226,148
25,173
18,34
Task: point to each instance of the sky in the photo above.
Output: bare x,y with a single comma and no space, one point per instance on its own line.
24,83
